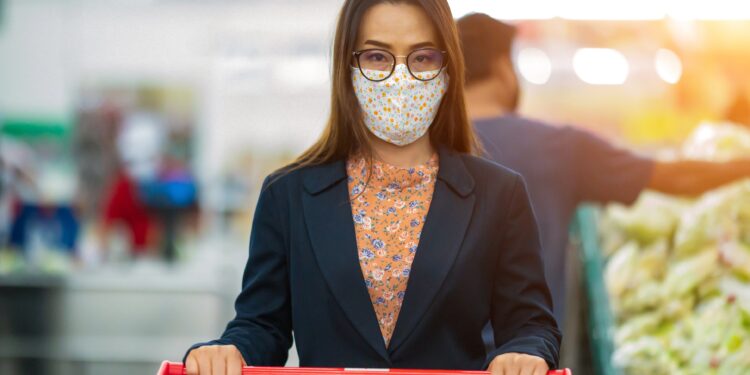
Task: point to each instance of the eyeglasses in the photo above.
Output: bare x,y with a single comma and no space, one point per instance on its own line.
424,64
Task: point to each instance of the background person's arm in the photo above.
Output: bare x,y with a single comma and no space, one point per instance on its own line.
602,171
696,177
608,173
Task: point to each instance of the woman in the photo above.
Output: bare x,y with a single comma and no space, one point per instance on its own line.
387,245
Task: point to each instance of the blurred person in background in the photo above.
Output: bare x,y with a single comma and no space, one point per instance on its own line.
139,146
563,166
391,195
136,182
95,152
151,190
17,184
36,208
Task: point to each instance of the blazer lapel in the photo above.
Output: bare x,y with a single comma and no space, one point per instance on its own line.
443,232
328,217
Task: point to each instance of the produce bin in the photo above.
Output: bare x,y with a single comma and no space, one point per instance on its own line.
668,277
601,319
172,368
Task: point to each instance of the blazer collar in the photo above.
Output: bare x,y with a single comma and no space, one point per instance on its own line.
452,171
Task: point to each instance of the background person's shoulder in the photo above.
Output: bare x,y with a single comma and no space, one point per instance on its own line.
529,124
485,171
560,140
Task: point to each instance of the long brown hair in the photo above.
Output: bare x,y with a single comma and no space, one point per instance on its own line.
346,133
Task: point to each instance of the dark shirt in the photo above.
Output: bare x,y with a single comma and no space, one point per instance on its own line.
563,167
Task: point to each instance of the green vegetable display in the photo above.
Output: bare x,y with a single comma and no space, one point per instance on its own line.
678,272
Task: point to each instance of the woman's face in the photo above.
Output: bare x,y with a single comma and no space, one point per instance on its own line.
398,28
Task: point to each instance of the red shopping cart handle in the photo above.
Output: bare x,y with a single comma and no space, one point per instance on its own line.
172,368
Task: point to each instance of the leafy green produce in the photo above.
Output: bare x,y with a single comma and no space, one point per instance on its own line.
678,272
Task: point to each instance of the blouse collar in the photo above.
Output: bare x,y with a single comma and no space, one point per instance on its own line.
391,177
452,170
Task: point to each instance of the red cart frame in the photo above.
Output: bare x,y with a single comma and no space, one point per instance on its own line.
172,368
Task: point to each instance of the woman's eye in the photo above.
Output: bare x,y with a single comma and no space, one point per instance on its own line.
422,58
376,57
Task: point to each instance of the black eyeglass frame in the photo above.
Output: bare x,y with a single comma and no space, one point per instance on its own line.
358,54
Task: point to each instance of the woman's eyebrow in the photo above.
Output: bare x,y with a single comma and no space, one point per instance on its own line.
377,43
422,45
388,46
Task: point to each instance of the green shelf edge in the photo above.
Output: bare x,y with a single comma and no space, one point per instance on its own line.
33,128
601,319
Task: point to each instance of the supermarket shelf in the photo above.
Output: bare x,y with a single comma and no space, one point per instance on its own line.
159,279
133,315
96,349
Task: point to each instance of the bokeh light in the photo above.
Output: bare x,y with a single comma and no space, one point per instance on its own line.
534,65
668,66
601,66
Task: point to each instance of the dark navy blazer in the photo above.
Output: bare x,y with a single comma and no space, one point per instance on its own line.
478,260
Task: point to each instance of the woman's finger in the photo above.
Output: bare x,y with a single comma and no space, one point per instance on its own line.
191,366
204,365
218,364
496,367
234,364
528,369
518,368
541,369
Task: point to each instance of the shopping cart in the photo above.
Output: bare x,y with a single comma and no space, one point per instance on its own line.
171,368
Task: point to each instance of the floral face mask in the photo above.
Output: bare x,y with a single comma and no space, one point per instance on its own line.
400,109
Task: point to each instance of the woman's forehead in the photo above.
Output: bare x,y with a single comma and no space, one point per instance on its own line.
399,25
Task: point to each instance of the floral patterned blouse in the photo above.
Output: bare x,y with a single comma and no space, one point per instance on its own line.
389,212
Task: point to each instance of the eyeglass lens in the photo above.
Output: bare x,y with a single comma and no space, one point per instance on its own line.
424,64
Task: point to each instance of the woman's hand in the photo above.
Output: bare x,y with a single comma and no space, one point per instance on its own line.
518,364
214,360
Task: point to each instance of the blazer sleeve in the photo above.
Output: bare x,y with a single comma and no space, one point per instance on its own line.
522,317
262,328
